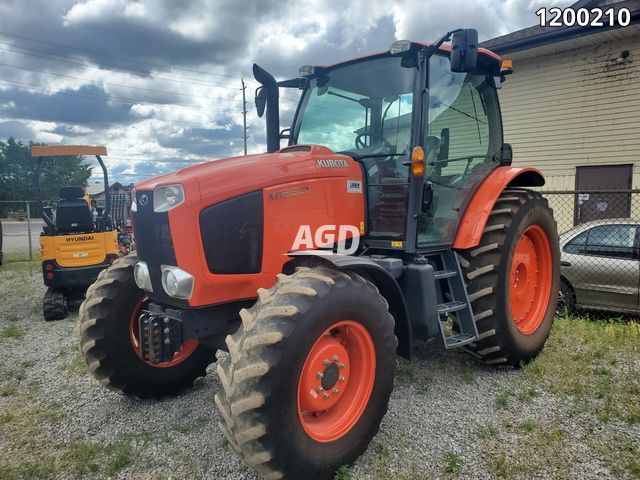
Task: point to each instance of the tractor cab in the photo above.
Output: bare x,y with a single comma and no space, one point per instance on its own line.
424,125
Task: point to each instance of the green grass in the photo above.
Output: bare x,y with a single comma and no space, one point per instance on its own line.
588,370
452,462
23,266
191,426
12,331
343,473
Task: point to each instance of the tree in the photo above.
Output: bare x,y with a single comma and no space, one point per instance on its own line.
17,172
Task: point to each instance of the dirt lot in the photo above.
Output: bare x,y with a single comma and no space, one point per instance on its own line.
573,413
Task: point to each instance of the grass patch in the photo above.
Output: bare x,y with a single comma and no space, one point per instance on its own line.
6,391
12,331
191,426
343,473
592,364
502,400
409,374
486,432
76,366
452,462
528,426
588,369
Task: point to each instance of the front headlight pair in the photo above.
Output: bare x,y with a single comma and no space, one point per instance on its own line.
175,281
164,198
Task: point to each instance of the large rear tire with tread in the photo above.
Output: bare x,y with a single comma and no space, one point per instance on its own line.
513,277
285,341
54,305
105,339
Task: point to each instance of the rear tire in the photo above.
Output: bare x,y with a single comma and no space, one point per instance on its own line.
264,378
105,339
54,305
506,337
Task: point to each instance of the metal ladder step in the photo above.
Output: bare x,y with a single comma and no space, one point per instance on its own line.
455,306
440,274
459,340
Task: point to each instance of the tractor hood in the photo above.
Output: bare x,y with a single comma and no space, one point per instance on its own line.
217,180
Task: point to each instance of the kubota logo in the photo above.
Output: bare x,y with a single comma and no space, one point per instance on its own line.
327,236
332,163
84,238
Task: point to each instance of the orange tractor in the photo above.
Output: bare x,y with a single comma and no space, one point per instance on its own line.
393,216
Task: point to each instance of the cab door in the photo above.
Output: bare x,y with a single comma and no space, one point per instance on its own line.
464,137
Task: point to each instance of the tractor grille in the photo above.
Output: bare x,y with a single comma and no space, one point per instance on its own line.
154,245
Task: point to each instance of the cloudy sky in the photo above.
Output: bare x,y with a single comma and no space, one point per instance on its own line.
158,81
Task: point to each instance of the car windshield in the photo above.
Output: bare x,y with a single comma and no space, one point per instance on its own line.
361,108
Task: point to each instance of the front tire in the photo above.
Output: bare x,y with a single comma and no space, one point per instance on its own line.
277,412
513,277
107,341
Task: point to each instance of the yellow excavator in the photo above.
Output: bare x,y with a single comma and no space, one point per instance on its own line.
75,243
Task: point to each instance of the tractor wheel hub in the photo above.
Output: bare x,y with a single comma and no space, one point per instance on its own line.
324,378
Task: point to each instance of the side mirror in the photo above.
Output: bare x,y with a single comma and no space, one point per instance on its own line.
464,50
506,154
261,100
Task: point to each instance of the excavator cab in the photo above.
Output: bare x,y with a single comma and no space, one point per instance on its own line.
75,243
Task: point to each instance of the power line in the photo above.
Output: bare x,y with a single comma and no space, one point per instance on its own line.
101,82
142,62
117,68
127,101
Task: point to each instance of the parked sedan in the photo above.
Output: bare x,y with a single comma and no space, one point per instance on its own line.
601,266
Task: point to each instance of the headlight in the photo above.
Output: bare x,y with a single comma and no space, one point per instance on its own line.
142,277
167,197
176,282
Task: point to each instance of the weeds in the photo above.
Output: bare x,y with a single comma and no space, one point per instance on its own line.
453,462
12,331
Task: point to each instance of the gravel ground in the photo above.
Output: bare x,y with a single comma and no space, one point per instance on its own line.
448,418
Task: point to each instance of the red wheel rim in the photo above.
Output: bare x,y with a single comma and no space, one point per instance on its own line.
180,356
531,279
336,381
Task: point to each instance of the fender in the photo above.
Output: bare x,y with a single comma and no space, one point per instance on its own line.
478,210
381,278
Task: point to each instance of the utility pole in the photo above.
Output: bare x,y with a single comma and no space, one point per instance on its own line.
244,115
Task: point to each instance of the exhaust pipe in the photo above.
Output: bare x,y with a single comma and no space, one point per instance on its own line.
270,89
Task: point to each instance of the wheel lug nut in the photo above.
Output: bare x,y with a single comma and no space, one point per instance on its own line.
341,365
319,389
325,396
336,358
320,375
335,391
341,378
326,362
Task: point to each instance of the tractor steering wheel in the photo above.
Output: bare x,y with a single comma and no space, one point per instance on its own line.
361,145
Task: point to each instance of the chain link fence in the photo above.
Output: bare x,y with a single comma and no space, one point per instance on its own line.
600,246
19,231
600,250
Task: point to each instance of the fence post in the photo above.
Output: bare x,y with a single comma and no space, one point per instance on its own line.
29,231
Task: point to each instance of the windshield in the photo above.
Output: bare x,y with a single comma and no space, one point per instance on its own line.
361,108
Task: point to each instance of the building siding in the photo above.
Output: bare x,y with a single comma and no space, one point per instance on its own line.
572,108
